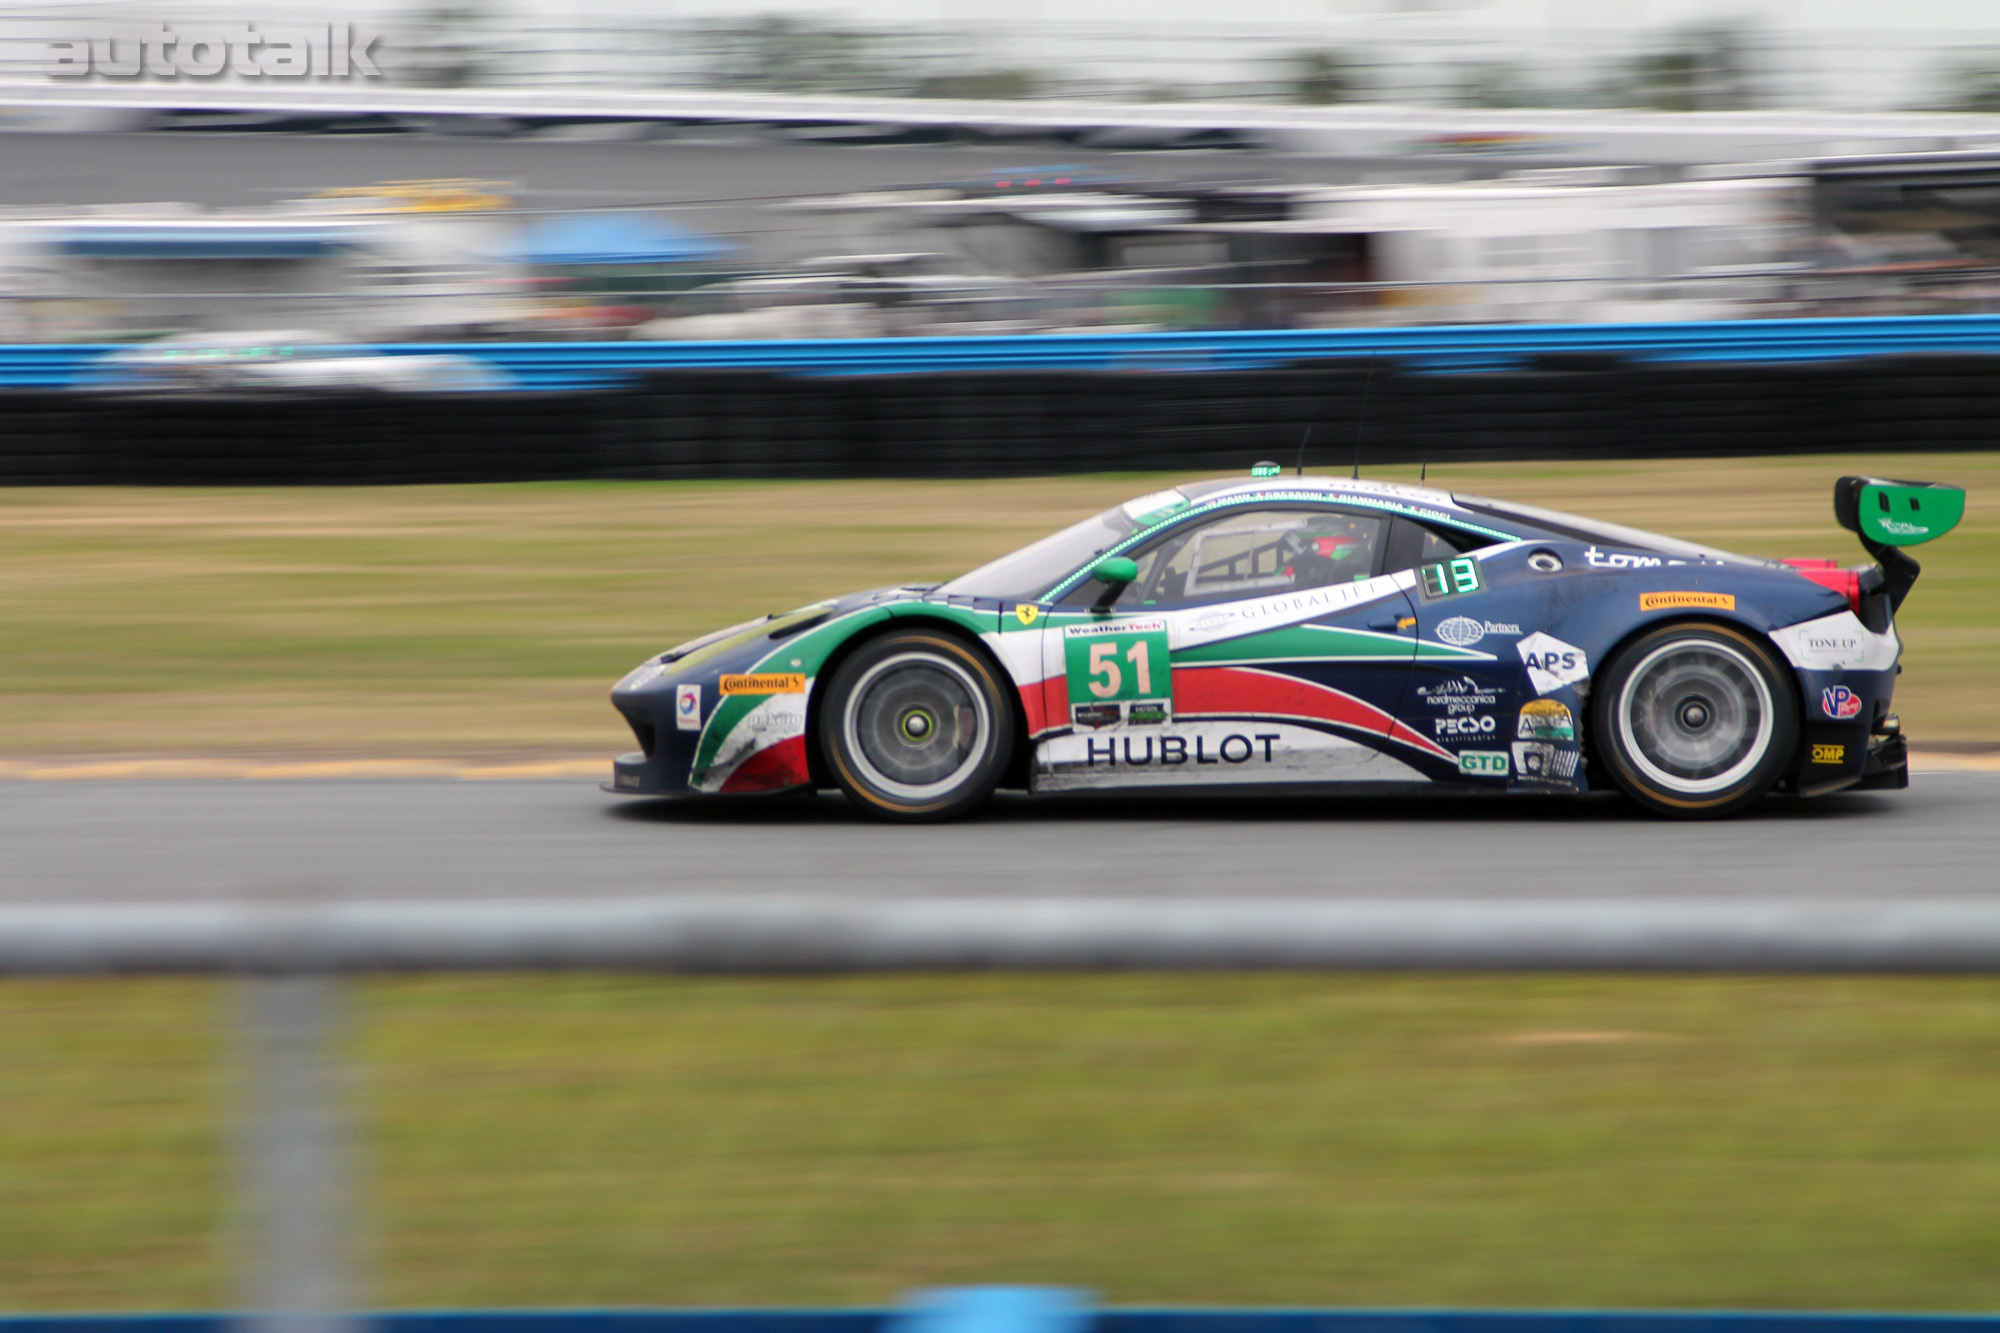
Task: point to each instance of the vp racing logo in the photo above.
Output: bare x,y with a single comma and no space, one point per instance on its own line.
1837,701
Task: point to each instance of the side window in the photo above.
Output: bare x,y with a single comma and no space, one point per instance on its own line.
1413,544
1252,553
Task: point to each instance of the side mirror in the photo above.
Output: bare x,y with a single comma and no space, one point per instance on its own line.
1116,574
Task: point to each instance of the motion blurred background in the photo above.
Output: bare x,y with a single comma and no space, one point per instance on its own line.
367,428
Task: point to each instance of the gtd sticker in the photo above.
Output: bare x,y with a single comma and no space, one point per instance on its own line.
1552,663
1839,702
1483,763
687,707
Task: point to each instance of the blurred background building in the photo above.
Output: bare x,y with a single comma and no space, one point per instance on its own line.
892,168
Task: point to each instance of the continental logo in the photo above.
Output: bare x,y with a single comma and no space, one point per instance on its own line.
1679,601
1829,754
789,683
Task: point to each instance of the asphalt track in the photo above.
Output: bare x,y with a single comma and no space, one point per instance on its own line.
80,841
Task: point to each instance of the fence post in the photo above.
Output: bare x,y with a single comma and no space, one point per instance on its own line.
293,1159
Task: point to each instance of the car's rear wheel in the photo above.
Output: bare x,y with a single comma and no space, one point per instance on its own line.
916,727
1695,721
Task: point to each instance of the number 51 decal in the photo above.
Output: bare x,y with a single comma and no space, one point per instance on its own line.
1112,664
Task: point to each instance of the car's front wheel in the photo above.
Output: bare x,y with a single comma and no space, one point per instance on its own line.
916,727
1695,721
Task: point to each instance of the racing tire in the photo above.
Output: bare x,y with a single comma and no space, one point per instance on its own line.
1695,721
916,727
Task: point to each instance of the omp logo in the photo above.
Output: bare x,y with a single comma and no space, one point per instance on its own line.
1829,754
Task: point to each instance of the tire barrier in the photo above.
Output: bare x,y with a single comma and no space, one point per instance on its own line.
724,423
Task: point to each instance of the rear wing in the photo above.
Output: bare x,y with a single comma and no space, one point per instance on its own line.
1890,515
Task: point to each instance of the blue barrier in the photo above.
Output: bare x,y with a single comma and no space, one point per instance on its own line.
1102,1321
574,365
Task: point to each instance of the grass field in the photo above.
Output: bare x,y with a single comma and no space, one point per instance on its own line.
1272,1140
491,620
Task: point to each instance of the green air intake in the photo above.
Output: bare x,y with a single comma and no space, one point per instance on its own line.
1897,513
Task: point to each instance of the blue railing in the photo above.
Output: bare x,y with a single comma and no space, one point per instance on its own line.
571,365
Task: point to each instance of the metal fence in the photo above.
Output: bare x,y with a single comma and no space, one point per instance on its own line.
290,957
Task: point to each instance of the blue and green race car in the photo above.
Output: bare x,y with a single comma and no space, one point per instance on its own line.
1288,633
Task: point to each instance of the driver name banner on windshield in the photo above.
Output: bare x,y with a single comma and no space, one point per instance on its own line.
1119,673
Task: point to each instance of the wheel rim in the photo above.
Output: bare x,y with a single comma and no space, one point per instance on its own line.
1696,716
917,725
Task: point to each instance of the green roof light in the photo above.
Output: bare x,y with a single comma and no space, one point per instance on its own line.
1266,470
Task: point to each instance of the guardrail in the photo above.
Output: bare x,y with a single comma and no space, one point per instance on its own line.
1432,348
290,954
810,935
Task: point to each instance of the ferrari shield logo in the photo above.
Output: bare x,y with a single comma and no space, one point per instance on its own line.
1027,613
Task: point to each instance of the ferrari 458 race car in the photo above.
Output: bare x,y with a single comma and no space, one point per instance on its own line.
1288,633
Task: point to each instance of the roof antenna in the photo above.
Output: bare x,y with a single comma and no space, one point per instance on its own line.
1362,420
1300,470
1423,471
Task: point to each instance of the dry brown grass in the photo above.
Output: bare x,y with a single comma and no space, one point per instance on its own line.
489,621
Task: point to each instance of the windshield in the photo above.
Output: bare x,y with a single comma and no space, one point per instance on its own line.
1033,570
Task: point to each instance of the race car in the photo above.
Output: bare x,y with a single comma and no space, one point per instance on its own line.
1288,633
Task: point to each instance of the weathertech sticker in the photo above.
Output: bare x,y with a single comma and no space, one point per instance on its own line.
785,683
1679,601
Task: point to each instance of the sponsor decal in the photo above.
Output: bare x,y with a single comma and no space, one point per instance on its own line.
1092,716
1481,725
1829,754
1464,631
1234,747
1483,763
1837,701
1460,694
1460,631
1144,713
1545,720
1897,527
1213,620
1543,761
626,781
1117,662
1027,613
788,682
1597,559
1552,663
1836,643
1218,753
1675,601
1448,578
687,707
